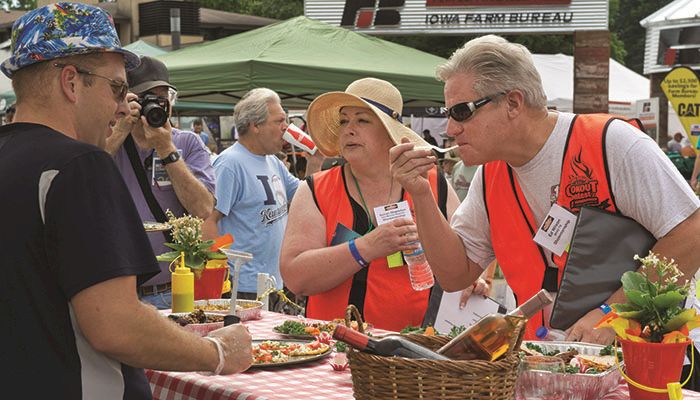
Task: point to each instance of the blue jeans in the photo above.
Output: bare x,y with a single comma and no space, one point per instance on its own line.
161,301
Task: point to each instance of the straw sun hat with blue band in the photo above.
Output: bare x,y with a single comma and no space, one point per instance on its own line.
61,30
383,98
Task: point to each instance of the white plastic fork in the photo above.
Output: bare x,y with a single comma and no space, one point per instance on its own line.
436,148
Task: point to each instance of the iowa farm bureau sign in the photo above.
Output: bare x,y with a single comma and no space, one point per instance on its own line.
461,16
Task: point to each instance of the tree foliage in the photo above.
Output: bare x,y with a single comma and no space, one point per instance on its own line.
18,4
626,26
278,9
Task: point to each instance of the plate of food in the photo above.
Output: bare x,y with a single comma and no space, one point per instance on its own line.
303,330
300,329
245,309
590,370
198,321
278,353
153,226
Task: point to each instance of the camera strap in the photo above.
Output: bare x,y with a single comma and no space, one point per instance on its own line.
141,177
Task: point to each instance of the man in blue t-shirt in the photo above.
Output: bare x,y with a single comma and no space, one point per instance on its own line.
253,187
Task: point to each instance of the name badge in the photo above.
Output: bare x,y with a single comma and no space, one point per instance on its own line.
388,213
557,229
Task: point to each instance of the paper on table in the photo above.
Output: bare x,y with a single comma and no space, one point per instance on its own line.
476,308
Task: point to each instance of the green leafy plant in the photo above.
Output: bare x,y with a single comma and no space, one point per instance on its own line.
187,238
654,311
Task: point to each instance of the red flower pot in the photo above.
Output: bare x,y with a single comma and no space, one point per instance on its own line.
653,365
209,284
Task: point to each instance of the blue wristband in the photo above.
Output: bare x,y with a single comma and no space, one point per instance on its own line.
356,254
605,308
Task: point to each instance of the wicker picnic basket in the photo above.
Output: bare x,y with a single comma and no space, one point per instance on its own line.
377,377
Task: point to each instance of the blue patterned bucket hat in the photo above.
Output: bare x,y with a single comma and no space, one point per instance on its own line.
60,30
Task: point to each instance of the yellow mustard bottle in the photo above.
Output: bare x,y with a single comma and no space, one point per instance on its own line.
182,287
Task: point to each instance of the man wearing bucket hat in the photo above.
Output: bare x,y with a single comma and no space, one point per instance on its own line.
318,257
163,167
533,158
77,248
253,188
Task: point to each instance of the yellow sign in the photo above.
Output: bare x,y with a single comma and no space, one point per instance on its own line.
682,89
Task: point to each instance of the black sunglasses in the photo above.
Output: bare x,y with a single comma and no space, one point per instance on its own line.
463,111
119,88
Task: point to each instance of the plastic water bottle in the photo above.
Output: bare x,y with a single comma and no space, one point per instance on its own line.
418,269
552,335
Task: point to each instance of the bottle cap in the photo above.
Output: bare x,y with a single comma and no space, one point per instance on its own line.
541,332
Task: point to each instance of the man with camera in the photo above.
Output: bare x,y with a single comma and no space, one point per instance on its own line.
163,167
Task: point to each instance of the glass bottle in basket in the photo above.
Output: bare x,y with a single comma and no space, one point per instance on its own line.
392,345
491,336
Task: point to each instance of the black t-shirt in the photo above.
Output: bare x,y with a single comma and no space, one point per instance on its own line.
68,222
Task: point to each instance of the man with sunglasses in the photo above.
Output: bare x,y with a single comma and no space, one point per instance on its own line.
163,167
535,161
74,247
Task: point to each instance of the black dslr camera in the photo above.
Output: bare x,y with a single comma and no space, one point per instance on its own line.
156,109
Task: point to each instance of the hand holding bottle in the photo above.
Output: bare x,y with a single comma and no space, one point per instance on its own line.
388,238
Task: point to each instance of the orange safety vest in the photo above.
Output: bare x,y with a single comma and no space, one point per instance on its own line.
390,301
585,181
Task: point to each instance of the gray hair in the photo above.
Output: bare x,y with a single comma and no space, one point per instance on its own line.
497,66
252,109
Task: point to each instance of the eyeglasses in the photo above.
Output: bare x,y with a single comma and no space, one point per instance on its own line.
463,111
119,88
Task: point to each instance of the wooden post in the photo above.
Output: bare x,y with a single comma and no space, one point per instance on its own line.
656,91
591,71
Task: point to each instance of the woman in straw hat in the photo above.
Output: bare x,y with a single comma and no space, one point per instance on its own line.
318,259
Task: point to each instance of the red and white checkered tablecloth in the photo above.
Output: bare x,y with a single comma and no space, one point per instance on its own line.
312,381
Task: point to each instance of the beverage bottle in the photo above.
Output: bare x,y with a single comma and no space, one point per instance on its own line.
418,269
491,336
553,335
388,346
182,287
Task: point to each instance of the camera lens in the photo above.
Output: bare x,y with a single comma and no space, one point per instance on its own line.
156,116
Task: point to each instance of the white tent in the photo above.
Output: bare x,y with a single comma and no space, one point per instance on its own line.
557,72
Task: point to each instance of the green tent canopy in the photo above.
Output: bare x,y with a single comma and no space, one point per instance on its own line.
300,58
145,49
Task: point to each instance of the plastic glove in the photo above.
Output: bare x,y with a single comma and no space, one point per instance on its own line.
238,349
